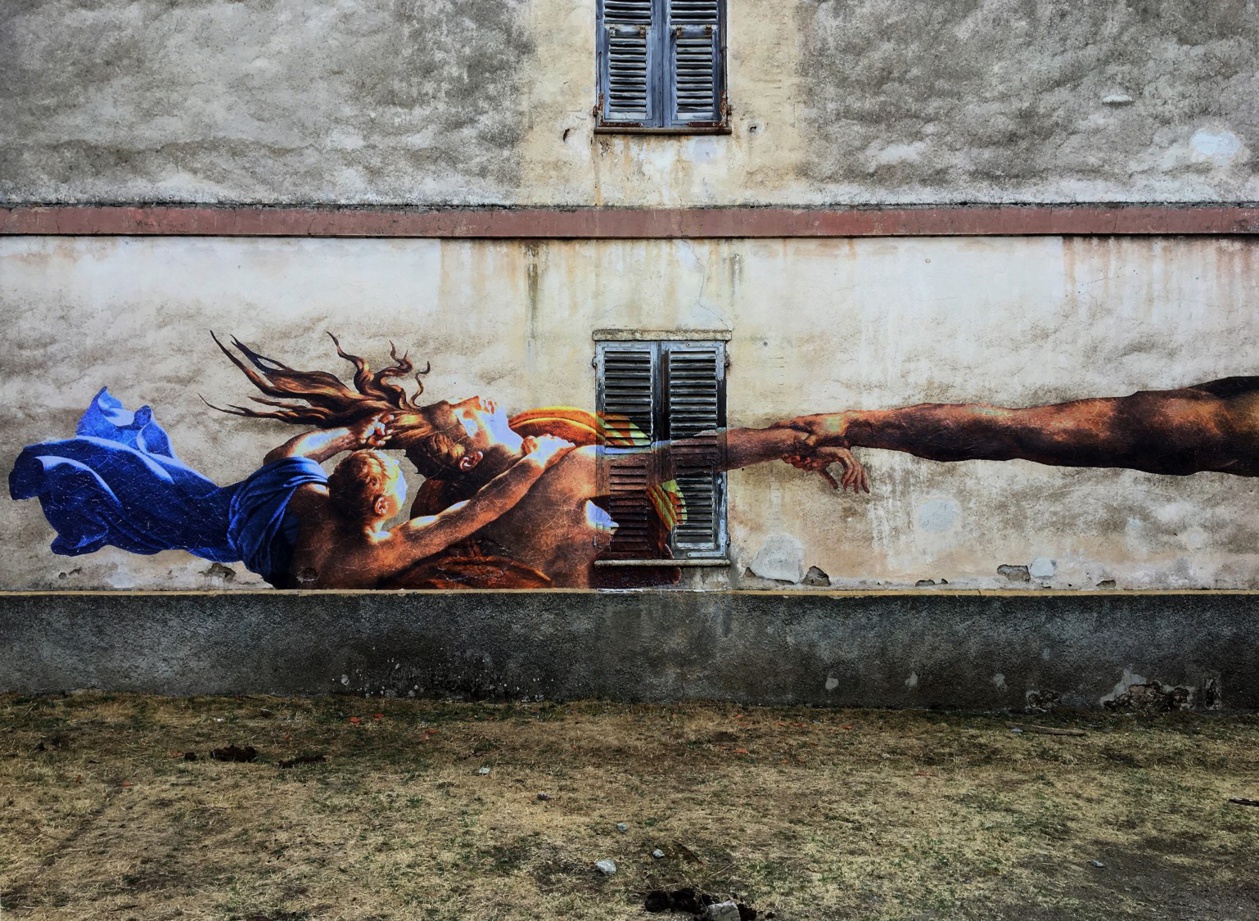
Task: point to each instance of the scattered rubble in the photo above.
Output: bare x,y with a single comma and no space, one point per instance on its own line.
700,904
1144,696
1041,701
1151,698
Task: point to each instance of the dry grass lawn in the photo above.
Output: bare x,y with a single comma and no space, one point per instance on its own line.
800,813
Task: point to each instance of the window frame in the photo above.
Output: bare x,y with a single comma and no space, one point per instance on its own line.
662,346
662,83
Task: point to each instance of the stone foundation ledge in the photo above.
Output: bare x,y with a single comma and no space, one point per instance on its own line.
968,650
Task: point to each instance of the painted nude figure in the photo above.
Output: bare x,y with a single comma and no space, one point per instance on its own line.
342,539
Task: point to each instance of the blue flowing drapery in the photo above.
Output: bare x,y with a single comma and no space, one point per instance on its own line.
118,482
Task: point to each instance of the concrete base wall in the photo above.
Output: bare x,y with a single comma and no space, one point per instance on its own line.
964,650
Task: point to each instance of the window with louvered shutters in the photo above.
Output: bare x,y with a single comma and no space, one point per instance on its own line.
650,394
662,64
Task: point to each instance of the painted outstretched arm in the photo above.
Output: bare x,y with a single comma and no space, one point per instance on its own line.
1178,432
935,431
322,444
418,538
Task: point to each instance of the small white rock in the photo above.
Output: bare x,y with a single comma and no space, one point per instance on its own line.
721,911
657,853
1098,864
606,867
622,827
483,771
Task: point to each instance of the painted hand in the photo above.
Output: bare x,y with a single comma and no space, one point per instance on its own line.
822,428
819,459
372,431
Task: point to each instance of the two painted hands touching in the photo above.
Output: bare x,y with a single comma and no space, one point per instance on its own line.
822,446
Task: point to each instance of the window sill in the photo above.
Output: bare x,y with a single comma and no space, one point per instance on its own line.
680,564
640,129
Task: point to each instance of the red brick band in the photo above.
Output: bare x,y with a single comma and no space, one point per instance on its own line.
628,223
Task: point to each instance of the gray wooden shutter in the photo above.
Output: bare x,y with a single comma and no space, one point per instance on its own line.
695,71
627,62
694,376
672,390
627,391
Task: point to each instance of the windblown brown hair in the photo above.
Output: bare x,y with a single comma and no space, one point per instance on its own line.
329,402
320,399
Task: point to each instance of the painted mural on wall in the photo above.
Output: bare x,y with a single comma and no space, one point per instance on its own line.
521,501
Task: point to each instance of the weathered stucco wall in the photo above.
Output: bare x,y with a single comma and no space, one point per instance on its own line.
397,100
844,101
1146,100
815,325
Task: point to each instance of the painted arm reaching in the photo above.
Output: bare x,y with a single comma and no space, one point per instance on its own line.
324,444
1206,427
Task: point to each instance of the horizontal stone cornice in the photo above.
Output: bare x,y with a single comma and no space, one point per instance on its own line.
628,223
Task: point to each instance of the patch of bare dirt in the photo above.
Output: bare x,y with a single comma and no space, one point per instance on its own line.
363,810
